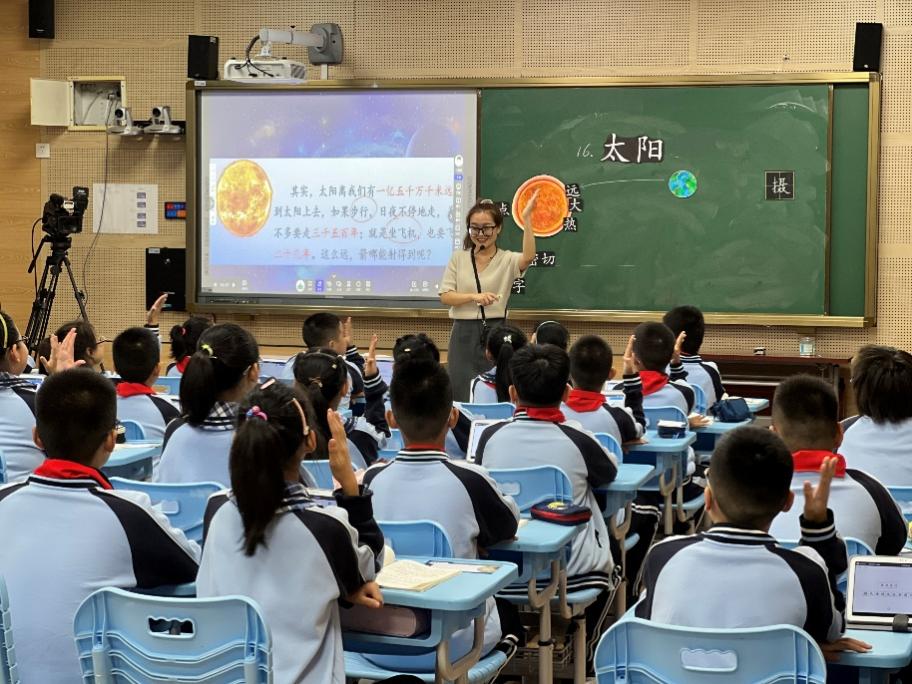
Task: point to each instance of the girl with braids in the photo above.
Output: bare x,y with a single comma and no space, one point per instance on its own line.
267,539
219,374
184,339
322,375
494,385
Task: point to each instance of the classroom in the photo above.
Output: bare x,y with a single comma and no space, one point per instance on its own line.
508,342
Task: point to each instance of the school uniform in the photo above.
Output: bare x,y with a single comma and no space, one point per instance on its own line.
177,368
879,449
355,366
748,580
423,484
862,506
140,403
313,558
367,434
660,389
199,453
17,420
483,389
705,374
591,410
67,533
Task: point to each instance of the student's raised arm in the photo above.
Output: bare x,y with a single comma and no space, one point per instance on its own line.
818,527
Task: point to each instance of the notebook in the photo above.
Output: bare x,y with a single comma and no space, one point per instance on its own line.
478,426
879,588
411,575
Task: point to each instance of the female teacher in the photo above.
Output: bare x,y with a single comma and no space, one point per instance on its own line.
477,285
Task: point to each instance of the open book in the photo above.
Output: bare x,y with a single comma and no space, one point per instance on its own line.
411,575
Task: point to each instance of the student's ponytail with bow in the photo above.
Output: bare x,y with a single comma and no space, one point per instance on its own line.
185,337
321,374
501,343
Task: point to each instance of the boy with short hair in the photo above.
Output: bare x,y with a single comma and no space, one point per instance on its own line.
806,416
66,532
136,359
689,320
422,483
655,349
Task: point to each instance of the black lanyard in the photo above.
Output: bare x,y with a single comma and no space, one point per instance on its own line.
484,322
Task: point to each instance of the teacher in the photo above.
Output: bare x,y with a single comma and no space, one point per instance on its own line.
477,285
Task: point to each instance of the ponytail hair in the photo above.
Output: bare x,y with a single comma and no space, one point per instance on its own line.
415,346
9,334
501,343
185,337
226,352
267,442
321,375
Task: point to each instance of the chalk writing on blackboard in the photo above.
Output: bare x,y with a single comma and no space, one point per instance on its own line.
637,150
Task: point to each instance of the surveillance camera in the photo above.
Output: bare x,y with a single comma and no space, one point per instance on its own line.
161,121
159,111
120,113
123,123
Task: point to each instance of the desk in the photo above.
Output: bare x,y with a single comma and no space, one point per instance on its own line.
132,460
708,436
665,455
891,651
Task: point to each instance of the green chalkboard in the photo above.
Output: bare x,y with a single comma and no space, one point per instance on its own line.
730,246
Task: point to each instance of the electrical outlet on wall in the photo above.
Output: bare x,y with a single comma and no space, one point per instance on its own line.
42,150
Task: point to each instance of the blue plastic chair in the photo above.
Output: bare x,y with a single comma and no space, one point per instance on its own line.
499,411
167,385
122,637
320,471
531,486
394,444
9,671
699,399
184,504
133,431
611,444
636,650
903,497
416,538
2,472
656,413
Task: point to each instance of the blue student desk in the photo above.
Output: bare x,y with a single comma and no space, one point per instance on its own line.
665,454
453,605
756,404
132,460
891,651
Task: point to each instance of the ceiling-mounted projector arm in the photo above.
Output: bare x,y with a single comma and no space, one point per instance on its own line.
323,41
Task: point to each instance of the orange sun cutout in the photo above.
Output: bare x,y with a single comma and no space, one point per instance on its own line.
550,208
244,197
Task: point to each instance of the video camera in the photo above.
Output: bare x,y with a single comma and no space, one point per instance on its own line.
63,217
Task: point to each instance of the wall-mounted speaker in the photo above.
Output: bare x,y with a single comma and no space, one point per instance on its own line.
202,58
868,44
41,18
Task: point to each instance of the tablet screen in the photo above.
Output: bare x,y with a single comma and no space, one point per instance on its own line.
882,589
478,426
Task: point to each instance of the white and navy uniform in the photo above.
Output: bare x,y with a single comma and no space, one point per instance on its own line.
625,423
367,434
199,453
466,502
879,449
666,390
66,534
151,411
750,580
483,389
355,365
524,442
313,558
705,374
862,506
17,420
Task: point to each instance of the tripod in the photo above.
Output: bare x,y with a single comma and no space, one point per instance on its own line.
36,330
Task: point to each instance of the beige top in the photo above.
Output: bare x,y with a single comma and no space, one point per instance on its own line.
497,277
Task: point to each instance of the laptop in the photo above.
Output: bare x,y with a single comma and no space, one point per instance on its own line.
880,587
478,426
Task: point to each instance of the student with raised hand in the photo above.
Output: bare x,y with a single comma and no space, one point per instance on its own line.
689,320
879,439
88,347
223,369
750,580
551,332
67,533
268,540
494,385
184,338
136,359
323,376
657,357
806,416
461,497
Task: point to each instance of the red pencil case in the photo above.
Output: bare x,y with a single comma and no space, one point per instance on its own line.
561,513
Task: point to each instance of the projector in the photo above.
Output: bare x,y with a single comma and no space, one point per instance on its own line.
260,70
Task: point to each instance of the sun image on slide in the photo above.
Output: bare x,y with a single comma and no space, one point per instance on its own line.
243,197
550,209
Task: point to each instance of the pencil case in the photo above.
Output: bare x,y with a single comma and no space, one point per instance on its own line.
561,513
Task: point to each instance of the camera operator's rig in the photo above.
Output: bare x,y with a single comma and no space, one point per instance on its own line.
60,219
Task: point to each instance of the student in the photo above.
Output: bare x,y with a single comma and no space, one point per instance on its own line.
750,581
423,484
689,320
67,533
537,435
551,332
267,539
590,367
184,338
806,416
323,376
17,405
494,385
878,440
88,347
223,369
136,353
655,350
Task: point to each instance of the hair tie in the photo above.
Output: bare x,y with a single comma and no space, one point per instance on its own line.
316,381
208,349
5,331
183,331
508,338
257,412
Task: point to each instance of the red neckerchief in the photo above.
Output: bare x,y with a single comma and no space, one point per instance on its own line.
182,364
553,415
61,469
653,381
810,460
584,401
131,389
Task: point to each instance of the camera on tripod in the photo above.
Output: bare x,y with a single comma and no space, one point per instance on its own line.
63,217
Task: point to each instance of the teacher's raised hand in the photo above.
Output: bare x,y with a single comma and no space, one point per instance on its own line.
528,252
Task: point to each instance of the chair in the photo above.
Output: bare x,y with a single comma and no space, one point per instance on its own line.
636,650
9,671
903,497
184,504
699,399
167,385
416,538
320,472
394,445
611,444
122,637
498,411
133,431
531,486
656,413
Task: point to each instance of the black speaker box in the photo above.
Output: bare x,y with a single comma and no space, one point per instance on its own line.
868,43
41,18
166,272
202,58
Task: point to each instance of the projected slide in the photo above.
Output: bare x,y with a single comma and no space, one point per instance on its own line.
356,194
